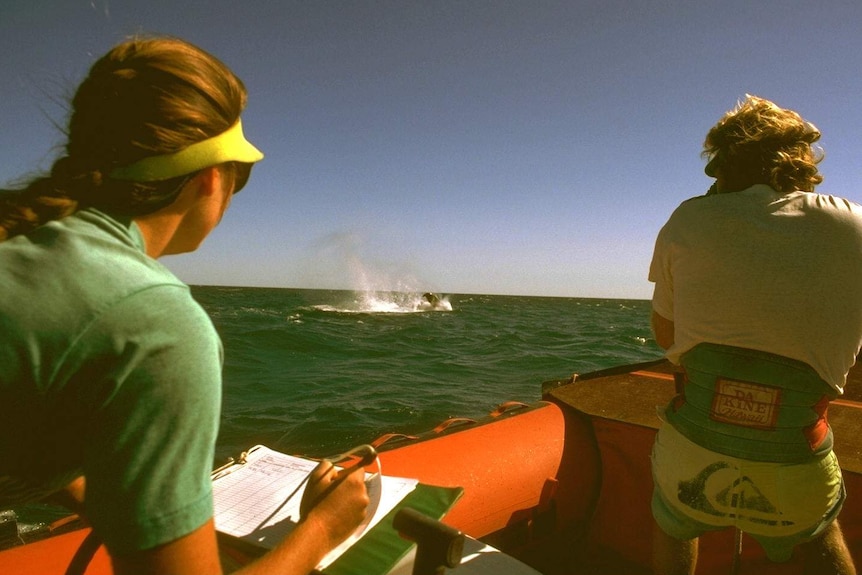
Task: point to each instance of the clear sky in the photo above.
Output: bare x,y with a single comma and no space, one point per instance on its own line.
527,148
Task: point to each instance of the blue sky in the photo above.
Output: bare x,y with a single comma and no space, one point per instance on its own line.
526,148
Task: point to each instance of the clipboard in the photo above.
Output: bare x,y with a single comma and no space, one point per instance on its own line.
251,514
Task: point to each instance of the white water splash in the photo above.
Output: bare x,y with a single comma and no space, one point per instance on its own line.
388,302
379,287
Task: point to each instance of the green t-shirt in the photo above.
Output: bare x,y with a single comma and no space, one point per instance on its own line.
110,369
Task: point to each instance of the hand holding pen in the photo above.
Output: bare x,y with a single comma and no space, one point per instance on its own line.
338,498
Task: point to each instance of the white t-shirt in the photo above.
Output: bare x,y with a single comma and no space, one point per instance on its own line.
780,273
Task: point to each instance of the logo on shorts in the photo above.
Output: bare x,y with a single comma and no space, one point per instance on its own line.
719,490
746,404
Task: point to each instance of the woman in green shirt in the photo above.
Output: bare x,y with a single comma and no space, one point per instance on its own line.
103,351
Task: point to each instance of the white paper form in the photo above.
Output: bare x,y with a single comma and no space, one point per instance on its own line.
247,494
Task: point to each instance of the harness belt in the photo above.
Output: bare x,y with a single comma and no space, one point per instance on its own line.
752,405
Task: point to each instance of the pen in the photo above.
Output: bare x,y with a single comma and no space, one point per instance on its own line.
366,453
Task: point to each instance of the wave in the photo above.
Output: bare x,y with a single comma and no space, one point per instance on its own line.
388,303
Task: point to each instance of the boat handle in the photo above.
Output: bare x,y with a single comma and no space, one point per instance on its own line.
504,407
453,421
392,437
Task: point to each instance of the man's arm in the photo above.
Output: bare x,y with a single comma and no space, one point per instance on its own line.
662,329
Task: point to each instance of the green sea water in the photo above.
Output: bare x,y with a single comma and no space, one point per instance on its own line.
315,372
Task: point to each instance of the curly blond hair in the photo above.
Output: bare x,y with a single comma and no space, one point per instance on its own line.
765,143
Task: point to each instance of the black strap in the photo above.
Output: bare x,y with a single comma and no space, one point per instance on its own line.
84,554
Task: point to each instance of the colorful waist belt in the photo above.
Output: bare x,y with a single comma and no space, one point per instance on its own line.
752,405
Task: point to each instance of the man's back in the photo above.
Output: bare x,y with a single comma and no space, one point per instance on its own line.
756,269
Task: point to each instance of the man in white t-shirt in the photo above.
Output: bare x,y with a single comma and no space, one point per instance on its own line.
758,295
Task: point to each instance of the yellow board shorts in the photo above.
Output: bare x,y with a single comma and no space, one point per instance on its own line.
780,505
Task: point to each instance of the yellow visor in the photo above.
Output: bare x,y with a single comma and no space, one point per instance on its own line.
229,146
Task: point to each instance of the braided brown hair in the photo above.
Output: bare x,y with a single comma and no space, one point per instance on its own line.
146,97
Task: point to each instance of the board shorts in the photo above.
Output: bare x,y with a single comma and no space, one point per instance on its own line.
778,504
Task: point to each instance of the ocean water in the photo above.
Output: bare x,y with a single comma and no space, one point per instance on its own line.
315,372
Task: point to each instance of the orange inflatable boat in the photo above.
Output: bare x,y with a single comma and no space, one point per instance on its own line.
563,484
